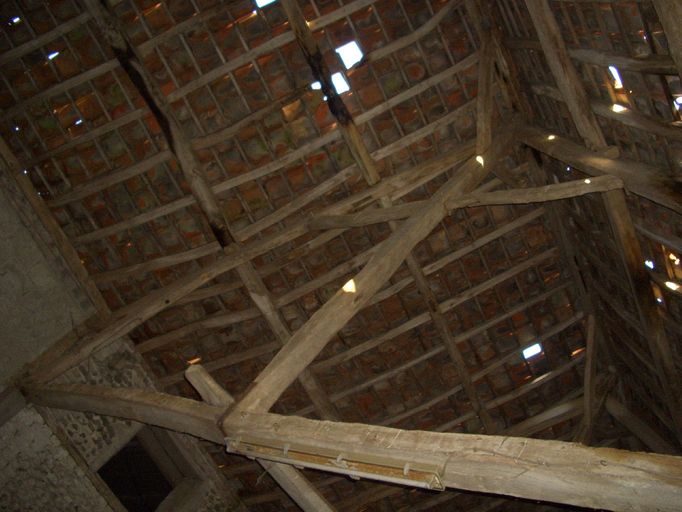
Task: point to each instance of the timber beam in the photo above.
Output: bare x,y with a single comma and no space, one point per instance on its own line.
294,484
642,179
541,194
312,337
535,469
565,74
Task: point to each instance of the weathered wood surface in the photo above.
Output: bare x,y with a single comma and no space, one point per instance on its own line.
565,74
291,480
535,469
311,338
541,194
642,179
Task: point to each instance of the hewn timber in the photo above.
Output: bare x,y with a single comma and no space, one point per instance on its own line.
639,428
294,484
129,317
652,322
311,338
542,194
670,14
628,116
654,64
642,179
565,74
535,469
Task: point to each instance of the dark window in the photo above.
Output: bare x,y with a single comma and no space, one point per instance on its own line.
135,479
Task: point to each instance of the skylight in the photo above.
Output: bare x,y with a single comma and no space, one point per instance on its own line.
339,82
52,55
649,264
617,82
531,351
263,3
350,54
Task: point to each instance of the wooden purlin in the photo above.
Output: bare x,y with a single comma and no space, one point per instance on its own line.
504,465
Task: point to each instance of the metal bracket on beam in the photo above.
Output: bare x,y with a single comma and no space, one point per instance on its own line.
355,465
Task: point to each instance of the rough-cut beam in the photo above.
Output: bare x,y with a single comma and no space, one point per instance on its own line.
639,428
652,322
589,382
71,257
670,14
129,317
294,484
529,468
628,116
654,64
642,179
546,419
564,72
544,193
311,338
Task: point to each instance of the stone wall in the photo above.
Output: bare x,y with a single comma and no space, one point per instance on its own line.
37,472
49,458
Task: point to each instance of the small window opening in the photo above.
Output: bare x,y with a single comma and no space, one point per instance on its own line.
53,55
617,82
350,54
135,478
532,351
263,3
338,81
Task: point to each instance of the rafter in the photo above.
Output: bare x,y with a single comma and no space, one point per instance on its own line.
640,283
291,480
605,477
565,75
669,14
654,64
642,179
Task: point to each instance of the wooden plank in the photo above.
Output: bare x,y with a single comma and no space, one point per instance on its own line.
129,317
267,47
311,338
548,418
565,74
529,468
99,183
41,40
642,179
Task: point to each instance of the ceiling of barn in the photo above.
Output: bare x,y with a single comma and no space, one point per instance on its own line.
98,104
